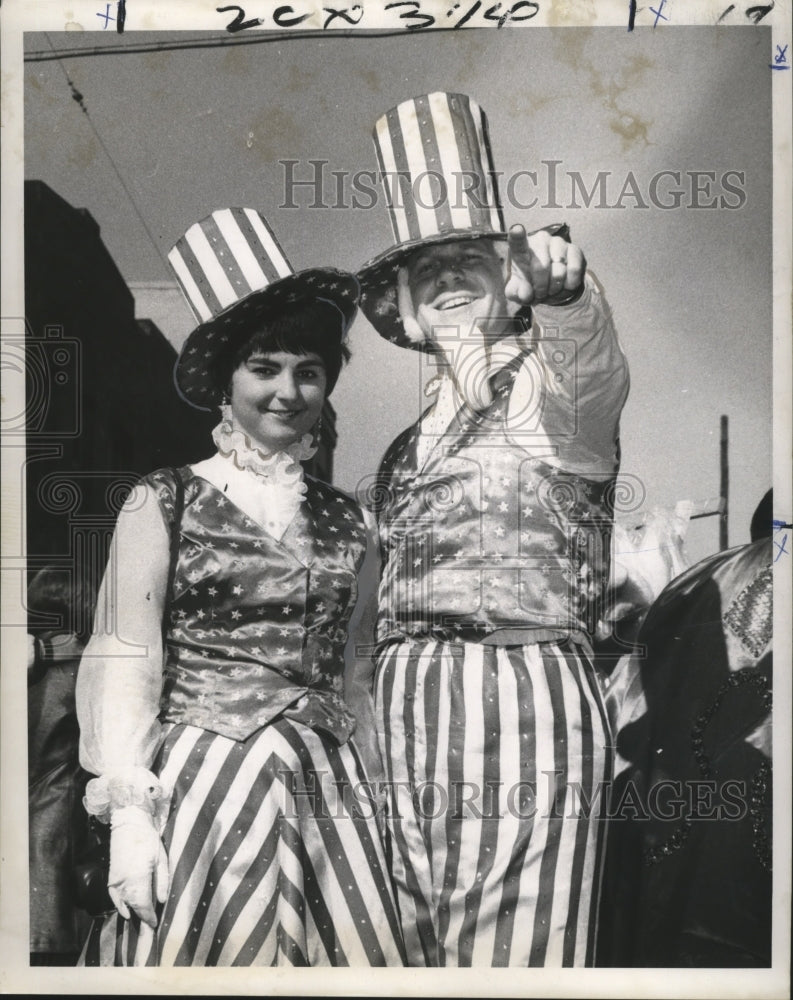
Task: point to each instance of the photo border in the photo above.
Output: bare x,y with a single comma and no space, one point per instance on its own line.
18,17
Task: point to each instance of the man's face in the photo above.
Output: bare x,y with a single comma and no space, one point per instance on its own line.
456,284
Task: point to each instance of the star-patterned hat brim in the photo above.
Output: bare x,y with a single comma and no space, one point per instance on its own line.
378,278
195,369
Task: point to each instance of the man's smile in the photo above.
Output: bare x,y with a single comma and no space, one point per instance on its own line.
453,300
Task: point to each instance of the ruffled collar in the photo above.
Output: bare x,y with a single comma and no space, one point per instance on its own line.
281,468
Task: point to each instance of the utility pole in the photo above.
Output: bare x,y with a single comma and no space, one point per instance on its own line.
724,490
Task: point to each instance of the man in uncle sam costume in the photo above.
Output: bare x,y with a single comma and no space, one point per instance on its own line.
494,514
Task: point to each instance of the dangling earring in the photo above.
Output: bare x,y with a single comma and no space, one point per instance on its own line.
318,430
225,411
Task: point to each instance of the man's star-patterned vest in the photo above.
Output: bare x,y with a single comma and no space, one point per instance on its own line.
486,538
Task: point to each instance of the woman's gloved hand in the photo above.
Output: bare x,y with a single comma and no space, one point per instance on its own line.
135,804
138,877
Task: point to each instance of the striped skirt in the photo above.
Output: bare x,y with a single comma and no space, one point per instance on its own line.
498,761
274,857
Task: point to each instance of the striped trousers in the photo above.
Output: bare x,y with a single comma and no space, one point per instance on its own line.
497,763
274,858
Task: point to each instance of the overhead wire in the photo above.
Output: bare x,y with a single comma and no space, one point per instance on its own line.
124,48
80,101
253,38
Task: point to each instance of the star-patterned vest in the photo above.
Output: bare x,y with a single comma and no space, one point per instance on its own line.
256,627
487,542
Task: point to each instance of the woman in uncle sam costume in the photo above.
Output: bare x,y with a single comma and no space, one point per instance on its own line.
494,514
210,697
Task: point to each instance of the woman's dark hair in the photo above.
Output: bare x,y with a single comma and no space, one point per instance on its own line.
308,326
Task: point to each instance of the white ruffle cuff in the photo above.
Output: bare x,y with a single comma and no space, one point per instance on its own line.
128,786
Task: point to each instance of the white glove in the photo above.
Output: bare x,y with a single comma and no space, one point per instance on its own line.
138,864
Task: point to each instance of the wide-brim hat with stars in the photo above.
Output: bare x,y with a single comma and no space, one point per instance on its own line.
440,186
234,274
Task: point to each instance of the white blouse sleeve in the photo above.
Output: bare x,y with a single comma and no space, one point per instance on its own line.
120,678
359,654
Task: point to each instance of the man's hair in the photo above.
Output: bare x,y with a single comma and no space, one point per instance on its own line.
57,591
762,519
476,241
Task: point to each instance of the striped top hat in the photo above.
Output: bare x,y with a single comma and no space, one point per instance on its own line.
437,172
233,273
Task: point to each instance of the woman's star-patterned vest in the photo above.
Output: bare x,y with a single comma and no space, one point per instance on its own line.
256,626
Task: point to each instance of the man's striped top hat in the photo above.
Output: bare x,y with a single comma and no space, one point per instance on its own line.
440,185
233,273
434,157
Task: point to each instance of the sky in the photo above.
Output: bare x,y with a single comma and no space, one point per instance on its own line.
167,137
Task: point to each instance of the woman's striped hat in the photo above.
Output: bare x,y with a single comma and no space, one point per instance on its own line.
233,274
436,165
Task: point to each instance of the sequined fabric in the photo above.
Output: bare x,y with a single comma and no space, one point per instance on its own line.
688,879
750,615
258,626
485,537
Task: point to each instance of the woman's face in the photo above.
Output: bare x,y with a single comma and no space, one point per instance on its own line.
277,397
